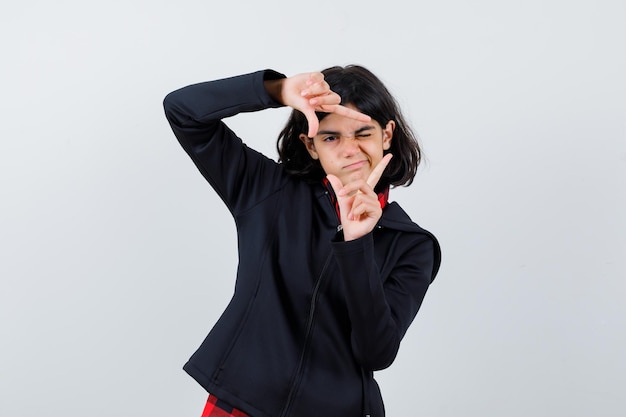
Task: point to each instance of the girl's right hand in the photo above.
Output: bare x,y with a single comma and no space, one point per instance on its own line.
309,93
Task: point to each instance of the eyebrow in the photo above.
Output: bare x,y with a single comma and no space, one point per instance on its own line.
356,132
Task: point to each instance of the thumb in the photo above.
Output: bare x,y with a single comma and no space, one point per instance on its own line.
336,183
312,121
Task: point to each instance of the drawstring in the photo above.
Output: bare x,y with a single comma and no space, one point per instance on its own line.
366,397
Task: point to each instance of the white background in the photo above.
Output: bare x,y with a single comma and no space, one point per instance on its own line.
116,256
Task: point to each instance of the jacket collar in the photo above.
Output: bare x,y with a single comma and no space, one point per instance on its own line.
394,217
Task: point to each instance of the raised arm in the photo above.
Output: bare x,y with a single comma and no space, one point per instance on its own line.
195,115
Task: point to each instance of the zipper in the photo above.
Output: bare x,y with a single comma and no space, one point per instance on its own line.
295,385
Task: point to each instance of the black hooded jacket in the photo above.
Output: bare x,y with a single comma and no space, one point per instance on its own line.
312,316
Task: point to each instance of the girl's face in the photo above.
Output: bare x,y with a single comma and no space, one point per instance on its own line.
348,148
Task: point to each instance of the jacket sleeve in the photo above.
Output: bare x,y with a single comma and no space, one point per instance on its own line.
381,309
235,171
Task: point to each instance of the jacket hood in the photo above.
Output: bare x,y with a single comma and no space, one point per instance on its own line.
394,217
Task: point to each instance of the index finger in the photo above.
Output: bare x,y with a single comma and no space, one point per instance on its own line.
377,172
346,112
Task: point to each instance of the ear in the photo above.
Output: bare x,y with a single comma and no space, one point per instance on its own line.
388,134
309,145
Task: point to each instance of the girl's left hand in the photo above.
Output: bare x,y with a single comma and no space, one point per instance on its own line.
358,203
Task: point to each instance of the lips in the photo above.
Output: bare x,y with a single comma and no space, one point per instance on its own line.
355,165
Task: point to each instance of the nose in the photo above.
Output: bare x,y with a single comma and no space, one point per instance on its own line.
350,146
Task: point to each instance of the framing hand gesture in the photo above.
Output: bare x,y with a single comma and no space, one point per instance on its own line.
358,203
309,93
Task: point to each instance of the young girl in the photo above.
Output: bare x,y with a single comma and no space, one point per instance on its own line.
330,273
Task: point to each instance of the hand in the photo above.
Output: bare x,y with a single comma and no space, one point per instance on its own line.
358,203
309,93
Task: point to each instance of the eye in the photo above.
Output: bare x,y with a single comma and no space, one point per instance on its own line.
331,138
363,135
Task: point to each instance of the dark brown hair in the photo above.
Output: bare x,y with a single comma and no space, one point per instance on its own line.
359,87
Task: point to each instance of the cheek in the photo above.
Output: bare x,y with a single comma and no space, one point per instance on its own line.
326,166
328,162
376,151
